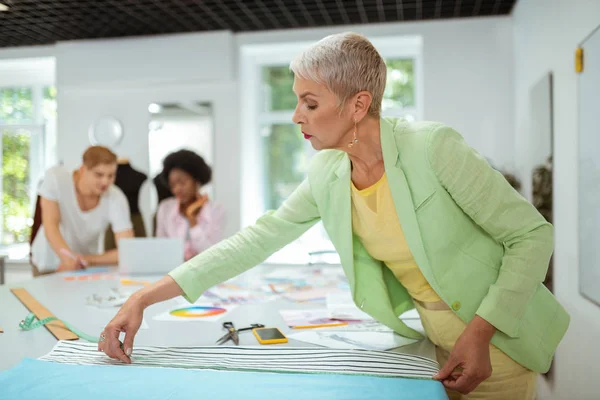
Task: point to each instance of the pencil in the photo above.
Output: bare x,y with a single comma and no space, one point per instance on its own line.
72,256
319,325
131,282
273,288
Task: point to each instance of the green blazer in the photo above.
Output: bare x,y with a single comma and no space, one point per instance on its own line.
481,246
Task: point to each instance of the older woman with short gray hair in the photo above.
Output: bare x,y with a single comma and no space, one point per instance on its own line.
418,218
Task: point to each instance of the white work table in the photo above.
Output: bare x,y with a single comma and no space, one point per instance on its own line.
67,301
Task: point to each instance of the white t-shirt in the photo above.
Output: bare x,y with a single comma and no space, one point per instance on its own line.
82,230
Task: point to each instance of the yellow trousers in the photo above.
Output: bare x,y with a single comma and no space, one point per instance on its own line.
509,380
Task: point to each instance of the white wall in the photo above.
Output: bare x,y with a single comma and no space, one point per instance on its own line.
467,69
467,65
181,58
27,71
545,39
11,53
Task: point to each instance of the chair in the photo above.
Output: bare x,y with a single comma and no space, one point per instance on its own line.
37,224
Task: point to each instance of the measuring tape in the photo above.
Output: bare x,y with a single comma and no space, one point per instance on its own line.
31,322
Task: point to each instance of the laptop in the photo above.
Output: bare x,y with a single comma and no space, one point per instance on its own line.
149,256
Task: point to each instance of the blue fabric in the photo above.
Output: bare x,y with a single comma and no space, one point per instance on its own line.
35,379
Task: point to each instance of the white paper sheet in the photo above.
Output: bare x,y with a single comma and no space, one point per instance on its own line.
341,306
109,299
352,340
227,296
309,317
364,326
317,294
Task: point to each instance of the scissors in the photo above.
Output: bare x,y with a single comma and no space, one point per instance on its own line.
232,333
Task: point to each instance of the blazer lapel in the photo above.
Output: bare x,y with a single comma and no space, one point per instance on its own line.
370,290
402,197
340,227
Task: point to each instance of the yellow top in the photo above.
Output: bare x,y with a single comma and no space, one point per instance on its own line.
375,222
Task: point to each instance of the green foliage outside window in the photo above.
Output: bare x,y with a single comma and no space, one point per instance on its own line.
15,105
49,102
17,108
16,210
400,84
285,163
278,81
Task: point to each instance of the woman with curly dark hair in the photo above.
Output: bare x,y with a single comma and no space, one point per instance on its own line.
189,215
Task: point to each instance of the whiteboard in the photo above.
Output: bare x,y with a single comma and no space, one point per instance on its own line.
589,170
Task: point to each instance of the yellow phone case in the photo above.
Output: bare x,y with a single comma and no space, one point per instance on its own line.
269,341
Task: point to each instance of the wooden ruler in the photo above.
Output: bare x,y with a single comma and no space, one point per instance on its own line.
57,328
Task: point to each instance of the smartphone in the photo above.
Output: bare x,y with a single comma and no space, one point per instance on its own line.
269,335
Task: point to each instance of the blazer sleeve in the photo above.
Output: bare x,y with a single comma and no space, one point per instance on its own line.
485,195
250,246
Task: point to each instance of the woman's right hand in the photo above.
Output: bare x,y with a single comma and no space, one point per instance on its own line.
129,317
128,320
71,263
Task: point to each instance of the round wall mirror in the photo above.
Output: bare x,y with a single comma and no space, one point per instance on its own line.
106,131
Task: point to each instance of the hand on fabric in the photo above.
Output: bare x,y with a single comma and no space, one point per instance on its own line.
469,362
128,320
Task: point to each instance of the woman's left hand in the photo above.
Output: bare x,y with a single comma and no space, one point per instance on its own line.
469,362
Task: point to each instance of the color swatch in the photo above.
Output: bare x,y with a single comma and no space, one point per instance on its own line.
89,274
197,311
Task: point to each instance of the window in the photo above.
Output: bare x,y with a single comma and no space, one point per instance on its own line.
16,105
26,113
283,154
400,94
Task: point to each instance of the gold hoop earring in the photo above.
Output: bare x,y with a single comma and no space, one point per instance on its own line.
355,139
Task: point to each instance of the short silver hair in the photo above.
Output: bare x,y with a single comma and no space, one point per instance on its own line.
346,63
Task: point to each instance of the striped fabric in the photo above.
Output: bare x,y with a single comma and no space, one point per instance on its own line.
261,359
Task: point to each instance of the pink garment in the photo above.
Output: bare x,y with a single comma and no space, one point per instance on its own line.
207,232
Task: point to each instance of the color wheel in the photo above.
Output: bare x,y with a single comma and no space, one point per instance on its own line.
197,311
